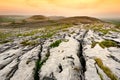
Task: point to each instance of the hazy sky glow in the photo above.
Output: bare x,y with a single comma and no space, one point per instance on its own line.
106,8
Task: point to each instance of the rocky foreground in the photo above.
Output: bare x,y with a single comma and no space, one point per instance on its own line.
75,53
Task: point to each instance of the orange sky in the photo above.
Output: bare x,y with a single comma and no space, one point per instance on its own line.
106,8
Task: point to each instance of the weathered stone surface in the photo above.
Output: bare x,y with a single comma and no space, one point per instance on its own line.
106,55
8,71
8,56
26,65
73,59
63,62
91,72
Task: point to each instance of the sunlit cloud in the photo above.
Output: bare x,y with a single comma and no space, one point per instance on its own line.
65,3
61,7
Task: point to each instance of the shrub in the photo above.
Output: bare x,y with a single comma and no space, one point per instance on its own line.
56,43
106,70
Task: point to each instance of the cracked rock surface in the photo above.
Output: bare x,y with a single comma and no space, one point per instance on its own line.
67,55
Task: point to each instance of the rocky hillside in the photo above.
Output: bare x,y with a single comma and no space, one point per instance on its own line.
61,52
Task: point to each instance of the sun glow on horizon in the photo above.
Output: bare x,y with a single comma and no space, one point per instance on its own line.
61,7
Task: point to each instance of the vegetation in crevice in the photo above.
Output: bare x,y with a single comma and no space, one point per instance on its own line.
36,77
65,40
104,44
101,28
39,64
5,37
50,31
29,43
106,69
47,35
5,41
72,32
29,33
55,44
65,30
100,75
93,44
107,43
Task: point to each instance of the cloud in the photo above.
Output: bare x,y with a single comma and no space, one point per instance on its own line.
62,7
73,4
76,4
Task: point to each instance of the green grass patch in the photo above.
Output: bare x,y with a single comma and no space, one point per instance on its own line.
31,33
55,44
48,35
29,43
100,28
5,37
72,32
48,31
104,31
5,19
45,35
104,44
106,70
65,30
107,43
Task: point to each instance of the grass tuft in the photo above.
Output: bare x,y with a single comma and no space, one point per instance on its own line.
93,44
107,43
5,37
31,33
55,44
30,43
48,35
106,69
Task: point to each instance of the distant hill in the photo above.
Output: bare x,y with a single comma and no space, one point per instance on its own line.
37,18
80,19
11,18
61,19
56,17
41,19
115,21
